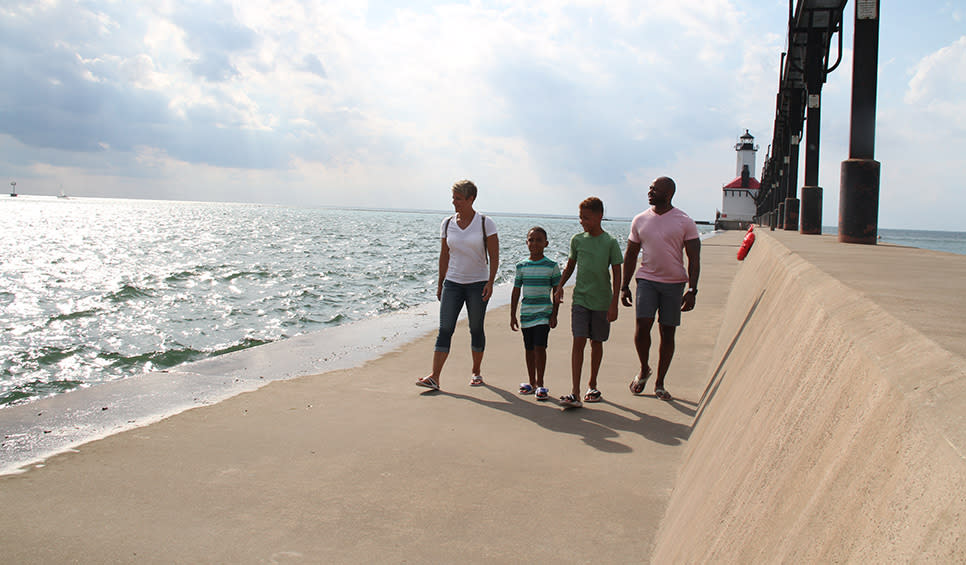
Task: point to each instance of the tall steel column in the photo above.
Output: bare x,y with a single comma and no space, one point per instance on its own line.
859,191
811,215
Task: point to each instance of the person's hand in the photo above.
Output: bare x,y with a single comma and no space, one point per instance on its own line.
626,298
612,312
514,324
558,295
487,291
553,321
687,302
439,291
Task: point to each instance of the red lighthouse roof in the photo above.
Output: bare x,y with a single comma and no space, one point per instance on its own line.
752,184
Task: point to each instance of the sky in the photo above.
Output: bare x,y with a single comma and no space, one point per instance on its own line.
386,104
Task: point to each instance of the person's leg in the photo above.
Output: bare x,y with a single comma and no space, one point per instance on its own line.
476,315
666,353
539,335
668,320
577,363
540,360
531,356
642,342
648,299
596,356
450,304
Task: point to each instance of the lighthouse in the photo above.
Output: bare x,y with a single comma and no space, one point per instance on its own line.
738,196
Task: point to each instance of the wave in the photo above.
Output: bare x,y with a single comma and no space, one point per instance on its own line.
129,292
89,313
29,391
169,358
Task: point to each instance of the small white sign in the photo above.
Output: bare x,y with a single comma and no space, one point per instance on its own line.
867,9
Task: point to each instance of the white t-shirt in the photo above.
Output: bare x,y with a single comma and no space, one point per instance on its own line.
467,249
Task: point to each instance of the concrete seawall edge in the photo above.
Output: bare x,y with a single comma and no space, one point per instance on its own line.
830,430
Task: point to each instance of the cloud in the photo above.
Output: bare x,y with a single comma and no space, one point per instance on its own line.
938,84
380,103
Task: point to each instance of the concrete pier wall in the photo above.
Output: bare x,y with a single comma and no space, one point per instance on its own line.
831,430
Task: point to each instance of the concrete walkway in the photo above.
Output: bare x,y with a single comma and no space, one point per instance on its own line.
362,466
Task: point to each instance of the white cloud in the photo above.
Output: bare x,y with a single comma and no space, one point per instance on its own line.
938,84
377,103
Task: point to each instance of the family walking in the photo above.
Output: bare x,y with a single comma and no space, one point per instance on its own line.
660,236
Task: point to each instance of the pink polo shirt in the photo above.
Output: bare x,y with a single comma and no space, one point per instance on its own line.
662,238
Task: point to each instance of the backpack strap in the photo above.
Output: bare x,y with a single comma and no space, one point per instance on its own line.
485,254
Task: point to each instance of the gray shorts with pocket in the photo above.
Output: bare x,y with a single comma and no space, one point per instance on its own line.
589,323
663,299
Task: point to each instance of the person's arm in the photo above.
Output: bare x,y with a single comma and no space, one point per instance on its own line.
692,248
514,299
493,249
630,266
616,283
443,267
558,292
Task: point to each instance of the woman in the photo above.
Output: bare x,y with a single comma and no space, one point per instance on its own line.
468,259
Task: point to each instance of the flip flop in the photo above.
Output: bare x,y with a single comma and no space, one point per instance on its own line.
570,401
593,395
663,394
638,384
427,382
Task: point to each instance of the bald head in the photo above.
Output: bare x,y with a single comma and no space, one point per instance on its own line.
660,192
666,183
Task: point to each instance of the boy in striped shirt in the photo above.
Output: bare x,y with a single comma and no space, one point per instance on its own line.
535,280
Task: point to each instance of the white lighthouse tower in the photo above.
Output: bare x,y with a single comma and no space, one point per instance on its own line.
738,196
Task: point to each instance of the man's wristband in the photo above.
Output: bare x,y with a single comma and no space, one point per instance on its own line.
693,291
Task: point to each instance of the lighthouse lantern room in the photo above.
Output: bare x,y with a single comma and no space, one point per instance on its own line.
738,196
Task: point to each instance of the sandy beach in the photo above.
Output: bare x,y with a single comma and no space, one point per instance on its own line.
360,465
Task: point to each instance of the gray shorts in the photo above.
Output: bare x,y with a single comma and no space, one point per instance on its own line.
588,323
662,298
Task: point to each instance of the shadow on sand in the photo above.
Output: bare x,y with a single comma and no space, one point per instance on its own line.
597,428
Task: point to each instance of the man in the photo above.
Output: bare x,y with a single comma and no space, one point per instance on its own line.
662,232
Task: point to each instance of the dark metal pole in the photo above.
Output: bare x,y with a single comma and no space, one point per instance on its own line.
791,202
812,193
859,191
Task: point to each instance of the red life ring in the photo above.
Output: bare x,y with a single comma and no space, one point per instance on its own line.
746,243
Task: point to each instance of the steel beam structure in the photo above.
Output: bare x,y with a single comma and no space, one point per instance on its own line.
812,25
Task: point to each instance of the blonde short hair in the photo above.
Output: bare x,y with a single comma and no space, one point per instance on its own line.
466,188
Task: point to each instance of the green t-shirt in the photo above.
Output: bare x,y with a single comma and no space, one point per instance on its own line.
594,256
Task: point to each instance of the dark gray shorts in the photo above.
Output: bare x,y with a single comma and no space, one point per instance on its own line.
662,298
588,323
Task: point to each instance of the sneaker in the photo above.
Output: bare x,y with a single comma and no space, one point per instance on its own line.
570,401
542,393
477,380
427,382
526,388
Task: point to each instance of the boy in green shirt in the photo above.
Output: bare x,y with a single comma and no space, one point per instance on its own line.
595,296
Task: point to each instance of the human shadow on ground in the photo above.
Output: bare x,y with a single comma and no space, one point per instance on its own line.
686,407
597,428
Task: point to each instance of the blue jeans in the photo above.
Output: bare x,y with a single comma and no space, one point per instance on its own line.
451,302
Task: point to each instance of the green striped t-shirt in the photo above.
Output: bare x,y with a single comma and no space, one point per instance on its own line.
536,280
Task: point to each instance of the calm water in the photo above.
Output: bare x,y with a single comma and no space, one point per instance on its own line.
95,290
